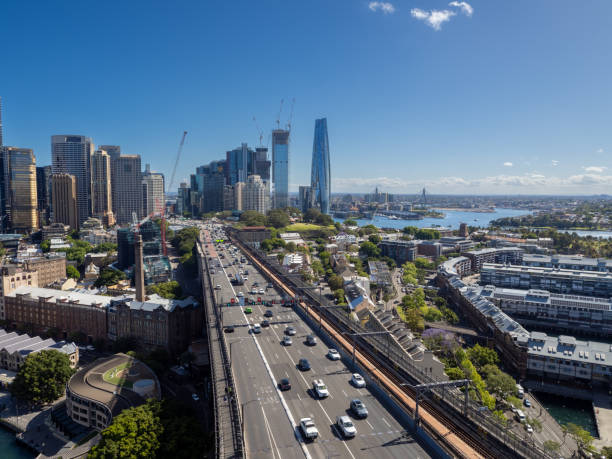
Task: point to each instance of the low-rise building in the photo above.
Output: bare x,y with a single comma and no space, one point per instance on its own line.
98,393
292,237
459,244
293,260
15,348
575,314
431,249
591,283
13,277
55,230
380,275
572,262
50,267
399,250
510,255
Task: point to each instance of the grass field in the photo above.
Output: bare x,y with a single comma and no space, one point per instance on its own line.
297,227
118,375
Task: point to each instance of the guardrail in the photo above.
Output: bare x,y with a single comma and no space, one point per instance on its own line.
479,423
226,403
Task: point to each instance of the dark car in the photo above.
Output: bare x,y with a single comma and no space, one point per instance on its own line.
269,313
358,409
304,365
265,323
311,340
229,329
284,384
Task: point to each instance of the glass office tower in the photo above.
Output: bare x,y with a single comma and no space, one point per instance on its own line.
280,167
320,181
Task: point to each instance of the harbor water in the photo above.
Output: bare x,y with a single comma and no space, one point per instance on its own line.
566,410
452,219
10,449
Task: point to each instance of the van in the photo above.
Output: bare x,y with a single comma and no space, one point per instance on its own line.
520,416
520,391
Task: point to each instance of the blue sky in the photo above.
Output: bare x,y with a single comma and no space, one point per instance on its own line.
488,96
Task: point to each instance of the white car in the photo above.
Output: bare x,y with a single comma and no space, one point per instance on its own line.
308,428
261,291
240,294
333,354
346,426
256,329
319,388
528,428
357,380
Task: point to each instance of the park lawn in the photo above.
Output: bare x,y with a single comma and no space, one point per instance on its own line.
297,227
110,376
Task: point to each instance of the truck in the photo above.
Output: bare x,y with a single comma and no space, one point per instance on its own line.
520,391
308,428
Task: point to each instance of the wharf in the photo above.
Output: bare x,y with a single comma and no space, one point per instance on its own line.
602,407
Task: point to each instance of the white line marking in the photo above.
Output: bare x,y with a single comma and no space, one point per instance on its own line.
270,434
368,422
345,394
385,421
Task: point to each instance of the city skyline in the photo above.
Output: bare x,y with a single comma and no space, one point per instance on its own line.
500,113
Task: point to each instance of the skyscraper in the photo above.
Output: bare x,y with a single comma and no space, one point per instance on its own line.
237,162
255,194
1,122
305,198
19,197
126,181
153,197
43,188
101,199
64,201
71,154
280,167
320,180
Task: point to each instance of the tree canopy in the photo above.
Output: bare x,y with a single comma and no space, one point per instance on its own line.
109,276
369,250
481,356
253,218
278,218
170,289
72,272
43,376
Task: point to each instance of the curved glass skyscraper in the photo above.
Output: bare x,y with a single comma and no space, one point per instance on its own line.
320,180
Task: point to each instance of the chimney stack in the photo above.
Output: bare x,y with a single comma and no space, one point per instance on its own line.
139,269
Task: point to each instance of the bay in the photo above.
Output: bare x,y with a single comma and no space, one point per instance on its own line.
452,219
9,447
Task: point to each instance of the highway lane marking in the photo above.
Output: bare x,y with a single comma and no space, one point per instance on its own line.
368,422
318,404
344,392
296,431
386,422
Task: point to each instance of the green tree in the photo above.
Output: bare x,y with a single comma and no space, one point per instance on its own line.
424,263
582,437
43,376
170,289
454,373
278,218
409,273
350,222
369,250
72,272
501,384
134,433
606,451
312,215
109,276
374,238
335,282
45,245
339,295
105,247
481,356
414,319
553,447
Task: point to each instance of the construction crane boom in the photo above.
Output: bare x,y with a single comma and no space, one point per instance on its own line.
178,156
291,115
280,110
259,131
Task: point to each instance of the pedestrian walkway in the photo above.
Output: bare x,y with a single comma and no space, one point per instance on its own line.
602,406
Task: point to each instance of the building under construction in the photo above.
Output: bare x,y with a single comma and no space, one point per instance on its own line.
156,266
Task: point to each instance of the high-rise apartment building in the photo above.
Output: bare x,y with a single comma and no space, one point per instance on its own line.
320,181
19,200
153,196
43,188
71,155
101,198
126,181
280,167
64,191
255,195
259,164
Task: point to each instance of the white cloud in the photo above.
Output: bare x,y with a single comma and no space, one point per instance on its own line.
385,7
433,18
508,164
596,169
600,150
554,162
465,7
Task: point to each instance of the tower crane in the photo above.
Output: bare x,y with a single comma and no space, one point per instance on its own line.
163,207
291,115
280,110
259,131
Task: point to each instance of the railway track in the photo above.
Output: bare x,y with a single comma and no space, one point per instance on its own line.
437,424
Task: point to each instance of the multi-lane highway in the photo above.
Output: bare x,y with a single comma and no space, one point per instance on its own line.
259,361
